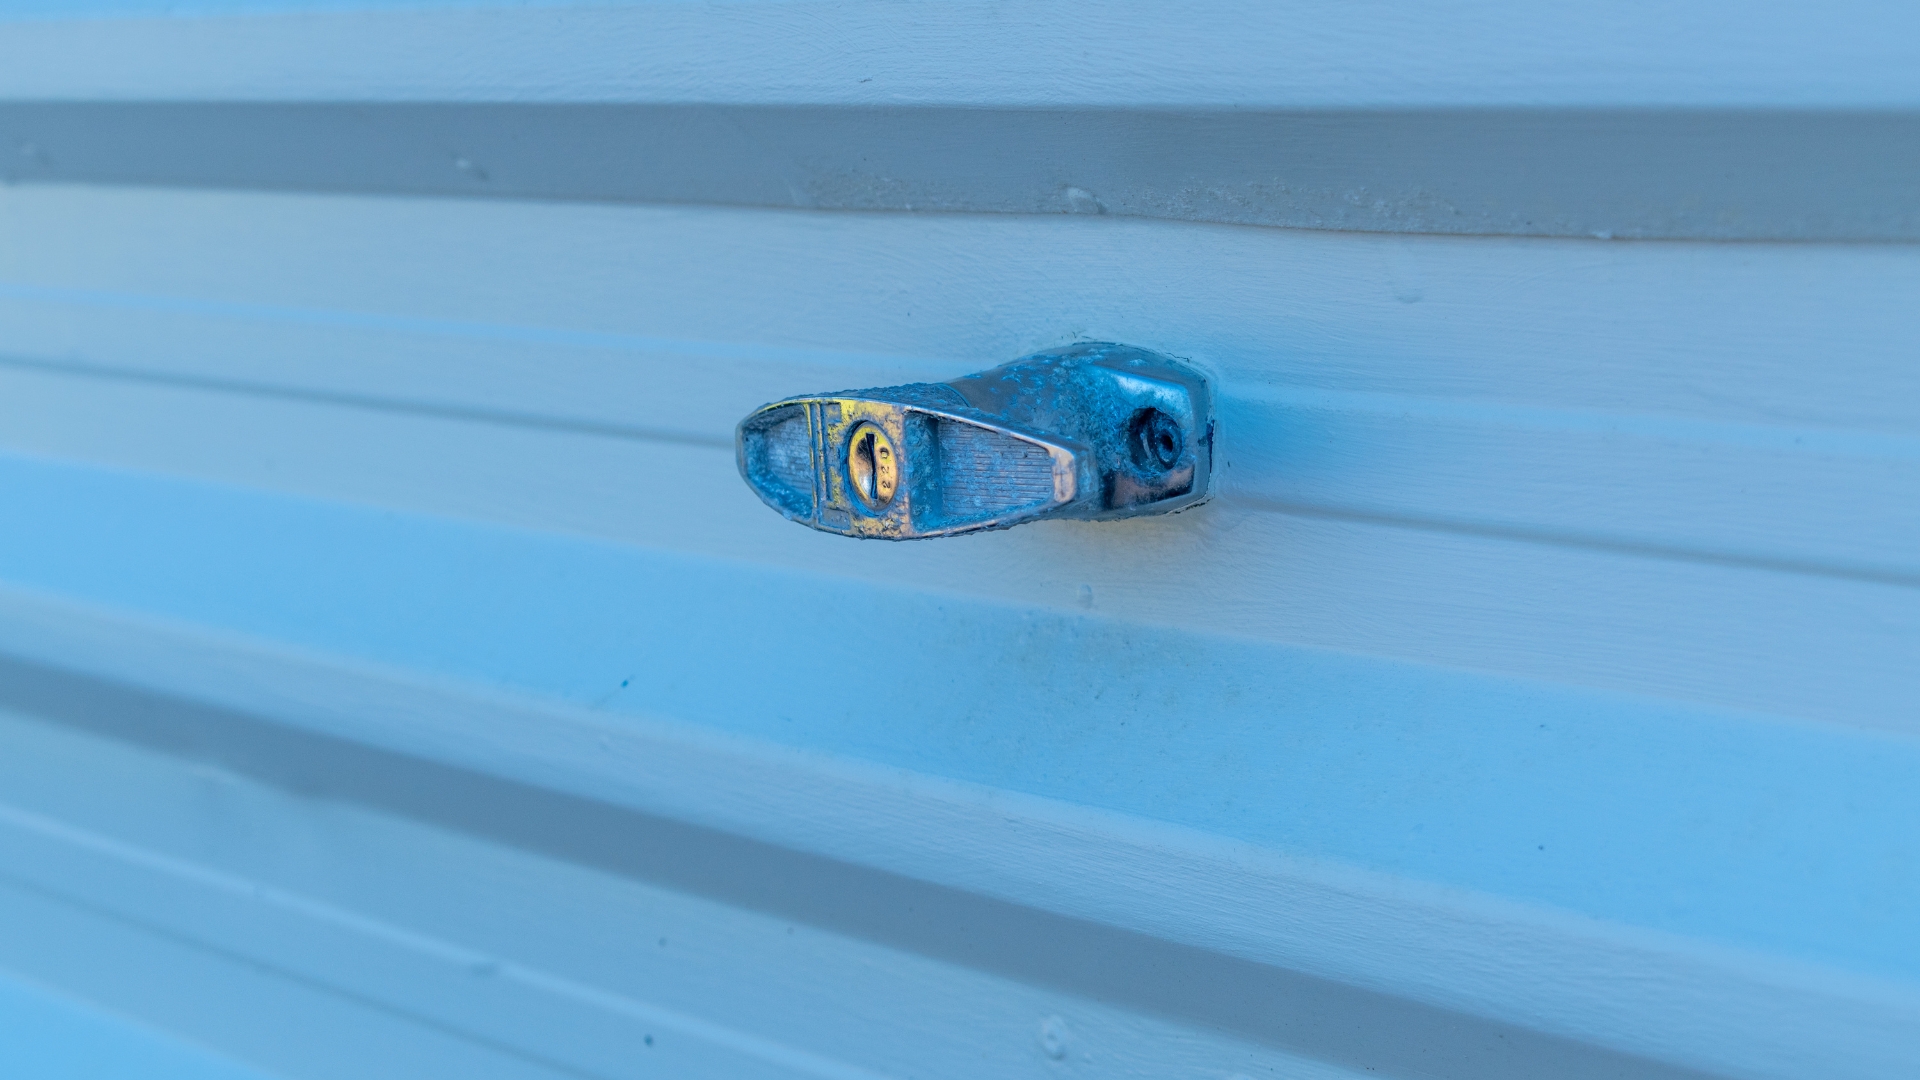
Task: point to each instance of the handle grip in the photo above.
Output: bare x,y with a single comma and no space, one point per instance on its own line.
1094,431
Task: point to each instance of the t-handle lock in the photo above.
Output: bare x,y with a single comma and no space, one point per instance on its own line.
1092,432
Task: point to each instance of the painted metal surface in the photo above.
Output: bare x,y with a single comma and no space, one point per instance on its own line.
1533,697
1608,171
1645,119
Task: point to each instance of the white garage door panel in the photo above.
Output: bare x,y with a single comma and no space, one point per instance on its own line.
51,1034
1815,645
1493,52
396,678
1642,120
1807,499
1524,523
1598,980
545,300
1529,792
414,925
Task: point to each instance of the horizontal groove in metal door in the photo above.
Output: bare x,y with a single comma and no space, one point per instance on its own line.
1652,172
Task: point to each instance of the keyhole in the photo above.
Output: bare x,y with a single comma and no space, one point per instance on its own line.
871,466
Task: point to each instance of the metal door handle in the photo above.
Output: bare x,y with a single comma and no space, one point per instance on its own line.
1093,431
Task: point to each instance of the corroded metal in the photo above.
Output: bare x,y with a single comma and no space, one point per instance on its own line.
1093,431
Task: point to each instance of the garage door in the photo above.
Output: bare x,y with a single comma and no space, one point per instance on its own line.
399,679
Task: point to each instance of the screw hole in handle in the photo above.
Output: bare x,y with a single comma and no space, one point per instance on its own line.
1155,440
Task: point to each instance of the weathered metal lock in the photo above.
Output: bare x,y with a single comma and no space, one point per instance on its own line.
1092,431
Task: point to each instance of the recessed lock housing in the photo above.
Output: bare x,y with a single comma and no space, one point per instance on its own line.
1093,431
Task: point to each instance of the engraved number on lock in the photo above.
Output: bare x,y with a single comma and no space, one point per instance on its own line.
873,466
